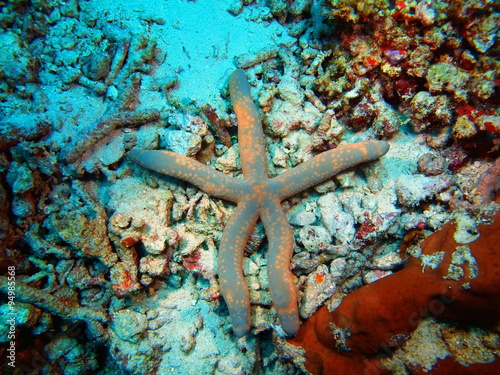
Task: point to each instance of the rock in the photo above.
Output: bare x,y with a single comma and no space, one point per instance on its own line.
339,223
303,215
22,207
96,65
70,357
482,33
464,128
69,8
60,346
337,267
431,164
412,190
129,325
79,220
428,109
372,276
425,13
123,280
290,91
466,231
315,238
154,266
388,261
180,142
445,77
20,178
319,286
230,161
17,65
285,117
235,8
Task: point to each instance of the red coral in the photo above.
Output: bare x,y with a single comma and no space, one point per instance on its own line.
406,87
219,125
191,262
365,229
471,112
458,157
129,241
378,317
126,283
475,115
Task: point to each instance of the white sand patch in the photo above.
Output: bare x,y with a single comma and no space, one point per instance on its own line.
201,39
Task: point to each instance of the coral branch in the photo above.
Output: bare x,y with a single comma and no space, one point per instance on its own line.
65,308
72,151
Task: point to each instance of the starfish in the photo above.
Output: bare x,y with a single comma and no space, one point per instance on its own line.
257,197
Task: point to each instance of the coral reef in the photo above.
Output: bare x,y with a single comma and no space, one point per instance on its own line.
94,245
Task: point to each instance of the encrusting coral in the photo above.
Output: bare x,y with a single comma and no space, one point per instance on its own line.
444,279
257,196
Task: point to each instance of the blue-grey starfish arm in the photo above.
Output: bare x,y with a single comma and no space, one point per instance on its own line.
326,165
230,268
250,137
207,179
281,279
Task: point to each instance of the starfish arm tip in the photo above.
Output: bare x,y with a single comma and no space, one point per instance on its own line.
383,147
